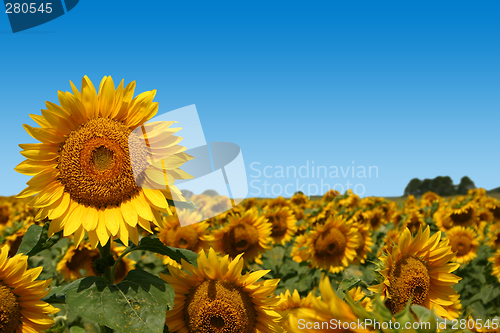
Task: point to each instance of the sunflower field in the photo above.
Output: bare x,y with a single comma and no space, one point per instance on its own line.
89,246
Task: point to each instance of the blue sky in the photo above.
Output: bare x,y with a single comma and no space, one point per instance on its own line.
408,87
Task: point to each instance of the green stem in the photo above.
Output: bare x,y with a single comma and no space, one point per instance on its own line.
124,253
104,252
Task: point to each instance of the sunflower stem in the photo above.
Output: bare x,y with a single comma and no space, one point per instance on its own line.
105,252
113,269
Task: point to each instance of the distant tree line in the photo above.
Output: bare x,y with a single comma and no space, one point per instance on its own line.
440,185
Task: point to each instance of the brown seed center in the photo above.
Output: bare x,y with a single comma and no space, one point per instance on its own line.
183,237
408,277
331,242
462,218
4,214
462,245
219,307
279,225
95,162
242,237
10,312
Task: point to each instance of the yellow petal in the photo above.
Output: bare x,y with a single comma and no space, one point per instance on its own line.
128,213
112,215
44,134
106,97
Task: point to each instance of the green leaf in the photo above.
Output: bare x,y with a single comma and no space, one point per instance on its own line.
155,245
76,329
36,240
348,284
136,304
182,204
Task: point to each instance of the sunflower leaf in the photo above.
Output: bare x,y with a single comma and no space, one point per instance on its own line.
36,240
153,244
182,204
137,304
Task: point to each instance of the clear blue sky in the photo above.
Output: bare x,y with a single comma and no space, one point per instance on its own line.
411,87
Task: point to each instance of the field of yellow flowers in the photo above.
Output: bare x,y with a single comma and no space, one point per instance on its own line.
102,240
266,265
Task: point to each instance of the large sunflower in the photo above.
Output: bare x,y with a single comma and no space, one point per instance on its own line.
21,307
215,297
464,242
248,234
331,246
99,169
419,268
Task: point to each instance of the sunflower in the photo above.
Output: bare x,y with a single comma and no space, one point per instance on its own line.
391,239
495,261
249,203
419,268
283,224
414,220
5,216
396,216
330,195
358,295
290,304
464,242
298,213
248,234
99,168
327,309
410,201
442,219
360,217
21,307
376,218
429,198
463,213
277,202
331,246
494,236
299,199
323,214
218,204
193,236
78,262
493,205
364,242
350,200
215,297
